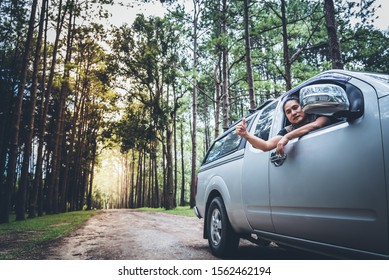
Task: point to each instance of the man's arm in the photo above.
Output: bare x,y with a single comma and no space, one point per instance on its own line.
261,144
298,132
255,141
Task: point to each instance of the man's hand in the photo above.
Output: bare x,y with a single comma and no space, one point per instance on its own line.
241,129
281,144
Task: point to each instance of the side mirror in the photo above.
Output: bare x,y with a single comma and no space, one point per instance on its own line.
324,99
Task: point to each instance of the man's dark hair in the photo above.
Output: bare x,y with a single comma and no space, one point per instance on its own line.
289,98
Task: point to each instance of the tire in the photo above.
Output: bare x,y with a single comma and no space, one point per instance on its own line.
222,239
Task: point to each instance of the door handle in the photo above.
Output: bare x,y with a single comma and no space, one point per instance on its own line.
277,159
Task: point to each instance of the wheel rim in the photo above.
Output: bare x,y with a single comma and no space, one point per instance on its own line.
216,226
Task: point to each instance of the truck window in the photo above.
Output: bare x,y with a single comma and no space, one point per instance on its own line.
262,129
225,145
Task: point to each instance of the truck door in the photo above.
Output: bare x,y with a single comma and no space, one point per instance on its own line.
255,182
331,187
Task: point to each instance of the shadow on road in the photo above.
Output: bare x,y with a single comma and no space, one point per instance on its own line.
273,252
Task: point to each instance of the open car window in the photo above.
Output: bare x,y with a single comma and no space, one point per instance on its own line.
265,121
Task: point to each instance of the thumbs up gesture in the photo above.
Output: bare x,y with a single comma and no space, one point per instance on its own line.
241,129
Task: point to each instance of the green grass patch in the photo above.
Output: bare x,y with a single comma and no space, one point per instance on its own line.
179,210
20,237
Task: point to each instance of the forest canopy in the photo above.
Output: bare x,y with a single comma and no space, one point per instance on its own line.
95,115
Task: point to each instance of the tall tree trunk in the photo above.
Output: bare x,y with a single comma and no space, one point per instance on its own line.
334,46
156,196
182,198
225,93
4,136
85,141
196,13
127,180
144,185
14,140
174,119
164,190
92,173
83,186
216,75
207,139
139,181
287,63
75,191
169,197
225,84
250,79
132,170
156,199
150,182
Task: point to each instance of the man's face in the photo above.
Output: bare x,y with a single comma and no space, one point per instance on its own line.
294,112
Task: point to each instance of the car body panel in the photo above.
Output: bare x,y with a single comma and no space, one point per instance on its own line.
255,186
330,199
384,113
227,186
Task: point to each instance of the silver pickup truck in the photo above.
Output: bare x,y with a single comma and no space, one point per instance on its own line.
329,193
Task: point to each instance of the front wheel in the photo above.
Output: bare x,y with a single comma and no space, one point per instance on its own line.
222,239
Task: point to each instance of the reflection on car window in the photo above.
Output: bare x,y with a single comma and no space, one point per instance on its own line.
225,145
262,129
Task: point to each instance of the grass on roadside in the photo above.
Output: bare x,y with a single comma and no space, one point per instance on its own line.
19,237
179,210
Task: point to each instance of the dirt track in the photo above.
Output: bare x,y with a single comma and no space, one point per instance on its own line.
136,235
130,234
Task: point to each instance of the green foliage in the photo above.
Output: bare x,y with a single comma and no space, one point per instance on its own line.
367,50
135,129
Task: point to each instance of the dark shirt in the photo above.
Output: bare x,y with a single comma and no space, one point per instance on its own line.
291,127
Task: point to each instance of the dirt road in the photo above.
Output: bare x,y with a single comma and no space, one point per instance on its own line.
130,234
136,235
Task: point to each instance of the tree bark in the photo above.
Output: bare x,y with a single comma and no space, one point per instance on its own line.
89,201
196,13
169,195
174,119
216,75
250,78
287,64
225,84
132,182
334,46
182,197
